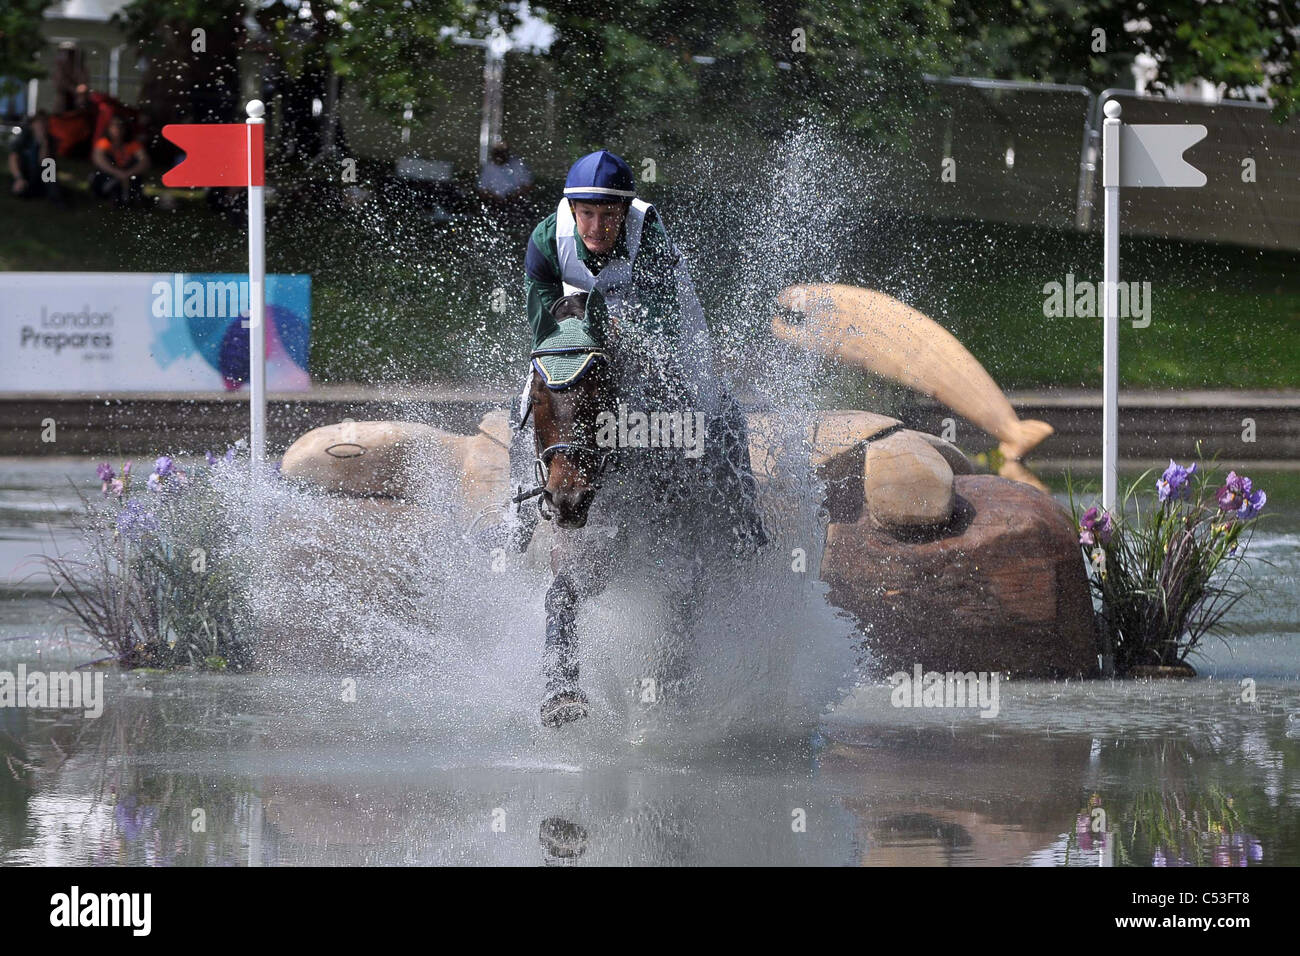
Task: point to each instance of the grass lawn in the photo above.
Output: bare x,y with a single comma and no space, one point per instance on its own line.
396,298
1220,317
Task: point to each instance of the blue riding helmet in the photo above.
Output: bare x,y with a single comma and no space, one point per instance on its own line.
600,177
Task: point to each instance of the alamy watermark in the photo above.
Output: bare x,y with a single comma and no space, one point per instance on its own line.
680,428
1083,299
55,690
924,688
130,910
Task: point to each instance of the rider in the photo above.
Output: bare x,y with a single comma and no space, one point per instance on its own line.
602,239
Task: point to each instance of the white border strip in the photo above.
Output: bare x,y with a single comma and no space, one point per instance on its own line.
599,189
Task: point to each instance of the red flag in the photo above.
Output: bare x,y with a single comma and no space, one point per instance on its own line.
217,154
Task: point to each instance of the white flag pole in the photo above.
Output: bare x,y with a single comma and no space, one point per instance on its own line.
1110,282
256,301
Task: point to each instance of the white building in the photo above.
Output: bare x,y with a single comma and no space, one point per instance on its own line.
79,30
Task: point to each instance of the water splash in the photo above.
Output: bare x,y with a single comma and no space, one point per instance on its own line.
391,592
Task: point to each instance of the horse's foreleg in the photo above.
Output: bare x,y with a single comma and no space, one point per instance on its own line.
582,567
560,658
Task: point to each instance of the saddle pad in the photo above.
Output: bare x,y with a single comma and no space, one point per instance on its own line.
567,354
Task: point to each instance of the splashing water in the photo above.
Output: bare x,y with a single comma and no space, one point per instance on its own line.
389,593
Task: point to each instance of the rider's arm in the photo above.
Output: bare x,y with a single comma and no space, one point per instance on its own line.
656,269
542,283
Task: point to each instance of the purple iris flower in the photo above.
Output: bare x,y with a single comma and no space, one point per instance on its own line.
166,475
110,483
107,477
135,521
133,819
1174,482
1238,495
1095,526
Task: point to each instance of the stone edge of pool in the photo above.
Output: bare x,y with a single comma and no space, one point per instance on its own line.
1153,424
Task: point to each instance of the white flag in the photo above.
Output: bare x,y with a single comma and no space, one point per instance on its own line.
1153,155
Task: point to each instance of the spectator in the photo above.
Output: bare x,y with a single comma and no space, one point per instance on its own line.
73,130
505,180
120,163
33,177
78,129
13,104
104,107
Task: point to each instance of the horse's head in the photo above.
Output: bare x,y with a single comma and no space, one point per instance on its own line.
571,386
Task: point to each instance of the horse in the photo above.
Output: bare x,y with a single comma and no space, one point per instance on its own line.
623,457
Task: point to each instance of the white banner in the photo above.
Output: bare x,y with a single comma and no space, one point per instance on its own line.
139,331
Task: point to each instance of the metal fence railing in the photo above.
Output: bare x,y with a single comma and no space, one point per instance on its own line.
998,150
1029,153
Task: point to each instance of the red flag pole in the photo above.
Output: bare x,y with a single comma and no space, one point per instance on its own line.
256,292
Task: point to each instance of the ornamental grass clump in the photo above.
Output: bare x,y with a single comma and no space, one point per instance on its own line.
158,582
1167,574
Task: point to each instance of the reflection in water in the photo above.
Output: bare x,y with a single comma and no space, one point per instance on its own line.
87,791
224,770
1180,819
562,840
957,796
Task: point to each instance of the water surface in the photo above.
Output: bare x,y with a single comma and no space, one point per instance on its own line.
277,768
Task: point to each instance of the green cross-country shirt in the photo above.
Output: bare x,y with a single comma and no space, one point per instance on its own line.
653,275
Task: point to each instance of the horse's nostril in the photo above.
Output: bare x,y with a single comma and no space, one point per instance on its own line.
571,506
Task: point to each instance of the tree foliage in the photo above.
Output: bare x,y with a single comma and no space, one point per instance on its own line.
762,62
388,47
193,50
1081,42
1248,43
1245,45
637,63
20,41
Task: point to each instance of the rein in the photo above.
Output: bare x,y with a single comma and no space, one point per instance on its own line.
542,462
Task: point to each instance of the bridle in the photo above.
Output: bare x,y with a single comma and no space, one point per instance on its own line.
542,463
